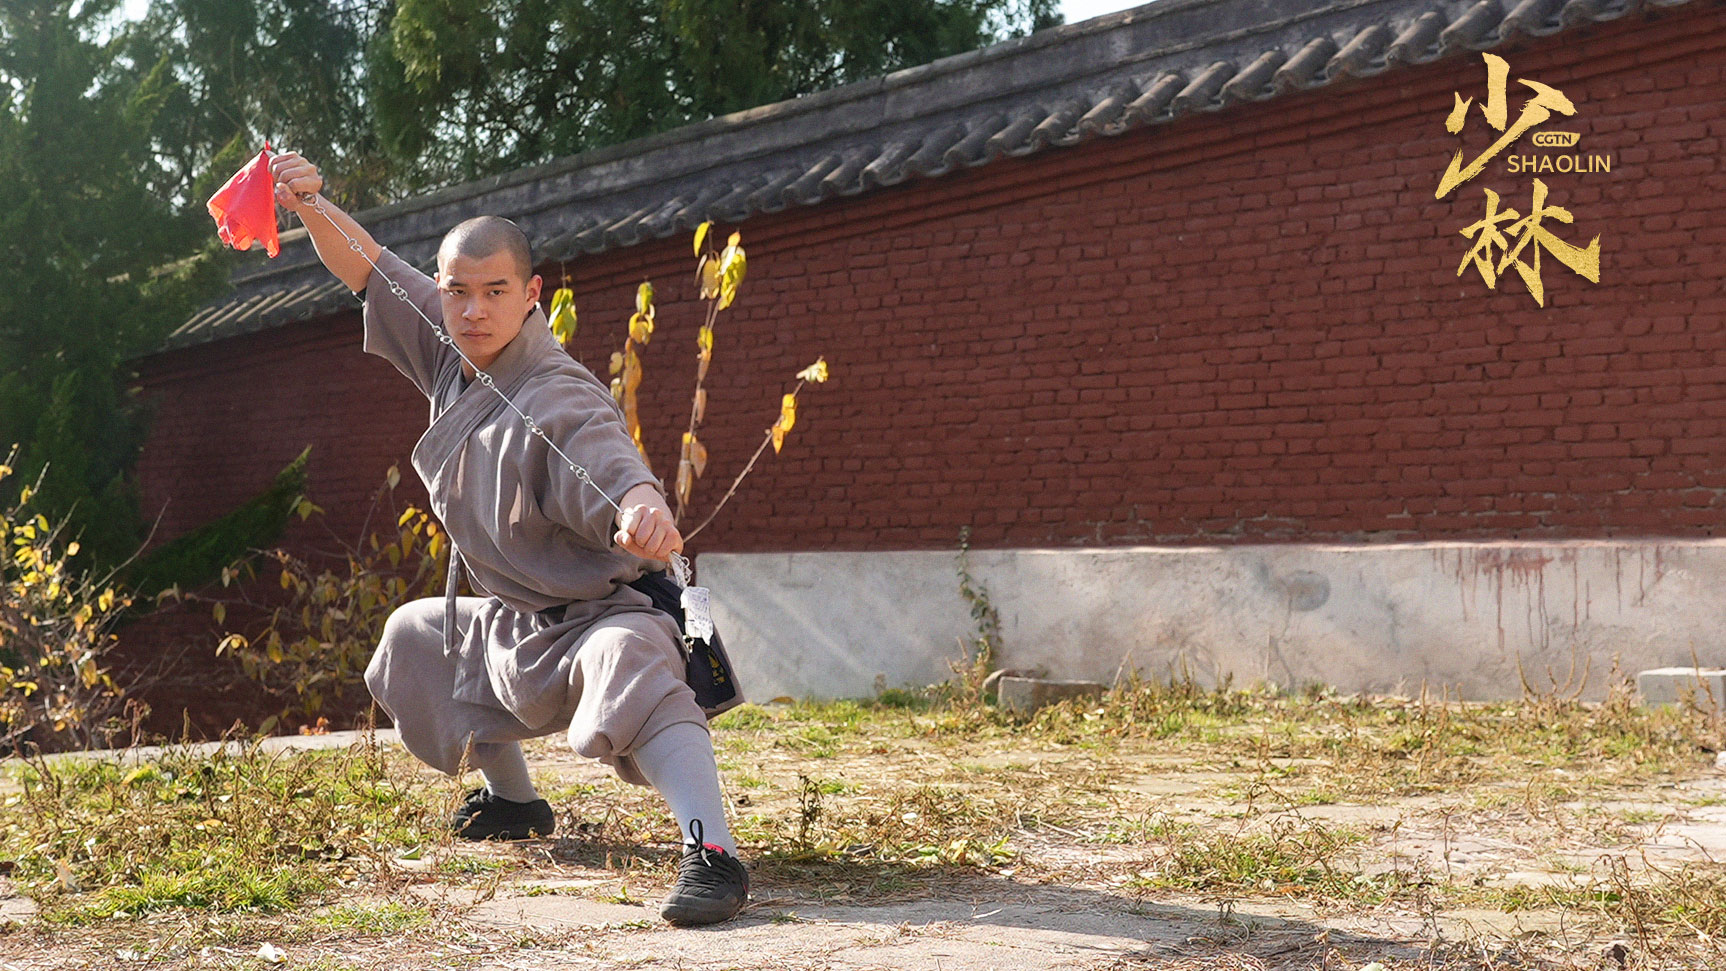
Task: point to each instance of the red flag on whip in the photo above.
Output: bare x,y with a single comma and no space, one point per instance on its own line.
245,207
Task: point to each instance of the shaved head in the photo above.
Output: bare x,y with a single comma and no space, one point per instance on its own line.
485,236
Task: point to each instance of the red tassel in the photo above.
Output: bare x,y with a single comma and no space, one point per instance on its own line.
245,207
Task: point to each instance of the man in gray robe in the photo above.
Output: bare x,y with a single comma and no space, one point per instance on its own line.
559,642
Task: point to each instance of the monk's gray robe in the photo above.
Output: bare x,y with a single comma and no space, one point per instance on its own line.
557,639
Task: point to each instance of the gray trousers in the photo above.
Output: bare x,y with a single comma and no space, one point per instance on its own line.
621,683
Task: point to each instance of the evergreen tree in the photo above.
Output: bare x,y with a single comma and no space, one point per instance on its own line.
291,72
472,87
96,264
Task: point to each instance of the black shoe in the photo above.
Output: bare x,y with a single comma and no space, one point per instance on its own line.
483,816
711,885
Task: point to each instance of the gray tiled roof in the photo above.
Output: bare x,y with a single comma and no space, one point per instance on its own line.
1054,89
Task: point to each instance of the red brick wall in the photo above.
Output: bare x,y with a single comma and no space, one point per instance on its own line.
1241,327
228,416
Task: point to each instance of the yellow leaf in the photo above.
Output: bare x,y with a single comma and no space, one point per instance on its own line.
402,520
734,241
105,601
617,389
704,339
616,361
788,411
816,372
733,264
644,298
73,549
685,481
778,438
700,404
705,359
393,476
562,317
707,277
698,456
701,235
631,372
564,326
640,328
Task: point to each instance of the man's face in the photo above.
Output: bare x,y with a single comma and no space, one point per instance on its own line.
484,303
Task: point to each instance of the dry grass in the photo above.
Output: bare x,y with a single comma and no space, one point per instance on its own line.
1224,795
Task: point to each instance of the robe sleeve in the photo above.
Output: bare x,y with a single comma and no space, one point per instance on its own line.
395,332
590,430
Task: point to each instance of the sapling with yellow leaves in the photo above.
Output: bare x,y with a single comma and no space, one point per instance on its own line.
308,645
719,274
775,436
626,365
57,691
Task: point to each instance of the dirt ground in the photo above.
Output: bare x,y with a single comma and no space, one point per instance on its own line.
1514,879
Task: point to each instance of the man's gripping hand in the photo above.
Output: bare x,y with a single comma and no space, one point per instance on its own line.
294,177
298,180
645,528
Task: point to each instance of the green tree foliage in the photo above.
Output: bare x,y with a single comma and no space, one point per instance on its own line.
472,87
96,265
288,71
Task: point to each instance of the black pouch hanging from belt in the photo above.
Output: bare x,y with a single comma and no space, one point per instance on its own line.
707,668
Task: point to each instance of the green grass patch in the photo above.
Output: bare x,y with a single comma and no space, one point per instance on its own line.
377,918
228,832
1293,858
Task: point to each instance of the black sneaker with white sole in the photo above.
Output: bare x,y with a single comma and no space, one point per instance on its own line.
484,816
711,884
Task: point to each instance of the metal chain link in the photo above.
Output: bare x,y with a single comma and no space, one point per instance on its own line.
680,569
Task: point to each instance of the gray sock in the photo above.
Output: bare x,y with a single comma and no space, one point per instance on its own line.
505,771
679,762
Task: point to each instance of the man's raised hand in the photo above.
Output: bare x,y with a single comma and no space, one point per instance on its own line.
334,233
294,177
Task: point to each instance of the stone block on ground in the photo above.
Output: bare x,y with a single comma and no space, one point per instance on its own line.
1677,686
1026,695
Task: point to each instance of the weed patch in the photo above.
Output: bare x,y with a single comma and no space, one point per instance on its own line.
234,831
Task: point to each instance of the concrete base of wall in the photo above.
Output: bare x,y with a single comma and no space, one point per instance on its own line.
1703,687
1475,618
